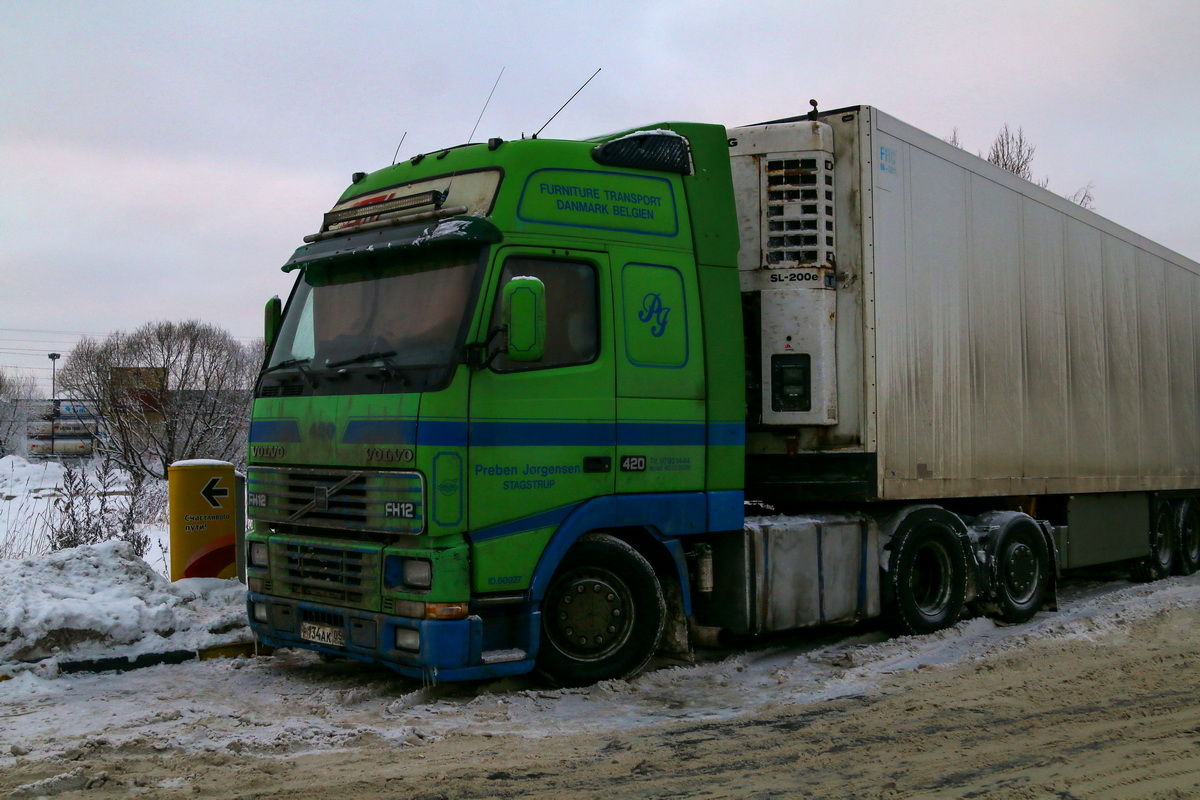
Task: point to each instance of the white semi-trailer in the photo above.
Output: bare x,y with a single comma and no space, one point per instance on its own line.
951,352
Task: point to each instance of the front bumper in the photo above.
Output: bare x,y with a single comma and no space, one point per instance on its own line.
450,650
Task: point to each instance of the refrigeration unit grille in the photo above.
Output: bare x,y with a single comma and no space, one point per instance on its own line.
799,225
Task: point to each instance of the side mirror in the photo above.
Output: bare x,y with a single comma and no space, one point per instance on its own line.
273,315
525,319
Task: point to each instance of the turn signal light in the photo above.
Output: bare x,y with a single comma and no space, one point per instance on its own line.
414,609
446,611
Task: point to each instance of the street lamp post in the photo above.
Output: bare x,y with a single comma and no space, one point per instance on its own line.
54,357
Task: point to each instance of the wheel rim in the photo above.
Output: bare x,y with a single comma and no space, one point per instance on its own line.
590,614
1019,572
1161,545
930,584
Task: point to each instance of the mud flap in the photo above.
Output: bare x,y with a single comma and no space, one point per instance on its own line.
675,643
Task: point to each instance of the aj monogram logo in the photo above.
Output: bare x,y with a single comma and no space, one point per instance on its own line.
653,309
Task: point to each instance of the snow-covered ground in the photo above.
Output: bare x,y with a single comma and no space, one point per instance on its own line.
28,489
27,492
291,702
101,601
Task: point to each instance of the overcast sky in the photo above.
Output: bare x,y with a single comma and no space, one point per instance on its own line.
160,160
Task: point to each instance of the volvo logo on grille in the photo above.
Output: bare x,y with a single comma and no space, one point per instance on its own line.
321,498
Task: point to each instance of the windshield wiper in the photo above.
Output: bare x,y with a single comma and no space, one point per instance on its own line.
298,363
291,362
382,355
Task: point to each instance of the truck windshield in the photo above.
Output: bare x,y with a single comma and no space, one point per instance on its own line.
401,311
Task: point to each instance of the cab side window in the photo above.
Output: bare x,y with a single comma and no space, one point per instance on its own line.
572,327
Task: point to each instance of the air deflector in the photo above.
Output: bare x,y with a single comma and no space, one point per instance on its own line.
665,151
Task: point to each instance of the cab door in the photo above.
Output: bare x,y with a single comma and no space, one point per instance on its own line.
541,434
662,432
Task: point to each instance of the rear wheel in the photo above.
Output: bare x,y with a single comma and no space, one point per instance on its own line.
1187,537
1161,560
603,614
1022,571
926,582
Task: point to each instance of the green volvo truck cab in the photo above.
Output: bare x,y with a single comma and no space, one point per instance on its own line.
507,387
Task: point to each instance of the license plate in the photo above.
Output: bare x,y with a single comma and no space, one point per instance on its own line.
322,634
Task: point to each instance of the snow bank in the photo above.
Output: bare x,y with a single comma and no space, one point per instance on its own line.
102,601
28,490
18,476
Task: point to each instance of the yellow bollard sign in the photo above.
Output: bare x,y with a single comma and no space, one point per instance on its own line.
205,523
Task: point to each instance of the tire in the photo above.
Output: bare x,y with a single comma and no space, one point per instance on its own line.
1022,571
603,614
1161,560
1187,537
926,583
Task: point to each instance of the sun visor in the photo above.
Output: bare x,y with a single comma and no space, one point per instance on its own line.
457,230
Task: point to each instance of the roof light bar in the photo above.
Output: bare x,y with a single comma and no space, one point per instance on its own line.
377,208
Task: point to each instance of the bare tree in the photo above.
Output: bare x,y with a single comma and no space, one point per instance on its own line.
167,391
1013,152
16,391
1084,196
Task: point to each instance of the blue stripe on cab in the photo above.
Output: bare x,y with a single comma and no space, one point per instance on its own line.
529,434
380,431
274,430
442,433
727,433
726,510
650,434
545,519
516,433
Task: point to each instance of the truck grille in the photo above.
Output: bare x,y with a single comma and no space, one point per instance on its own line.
381,502
322,617
326,570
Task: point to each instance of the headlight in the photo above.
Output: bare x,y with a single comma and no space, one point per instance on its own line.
408,639
260,612
407,574
418,573
259,554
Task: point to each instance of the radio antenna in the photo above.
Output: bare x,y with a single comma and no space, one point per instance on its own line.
397,154
450,183
569,99
485,105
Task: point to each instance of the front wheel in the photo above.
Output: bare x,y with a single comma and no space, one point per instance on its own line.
603,614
